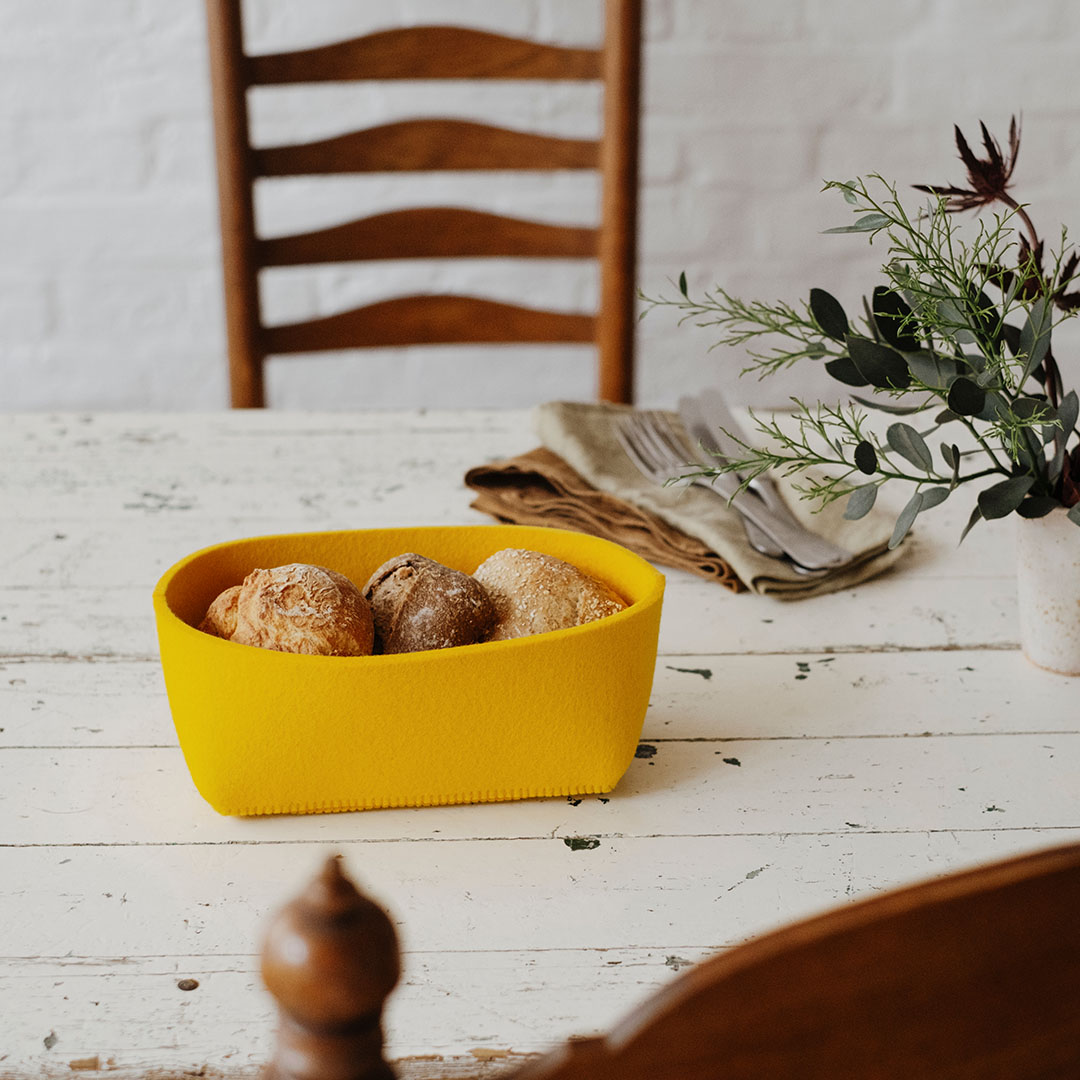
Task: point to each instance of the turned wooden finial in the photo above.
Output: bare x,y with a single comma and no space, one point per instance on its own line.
330,958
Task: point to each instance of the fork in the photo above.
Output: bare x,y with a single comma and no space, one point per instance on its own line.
659,453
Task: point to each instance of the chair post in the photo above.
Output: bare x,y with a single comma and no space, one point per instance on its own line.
229,82
618,213
330,959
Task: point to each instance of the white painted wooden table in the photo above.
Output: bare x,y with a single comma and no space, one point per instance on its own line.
794,756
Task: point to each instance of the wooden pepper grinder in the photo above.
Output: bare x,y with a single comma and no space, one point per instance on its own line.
330,958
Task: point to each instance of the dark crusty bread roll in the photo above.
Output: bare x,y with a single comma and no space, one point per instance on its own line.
418,603
534,593
300,608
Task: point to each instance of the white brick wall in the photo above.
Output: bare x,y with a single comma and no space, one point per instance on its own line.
109,260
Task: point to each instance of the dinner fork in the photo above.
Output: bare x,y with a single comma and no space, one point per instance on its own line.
660,454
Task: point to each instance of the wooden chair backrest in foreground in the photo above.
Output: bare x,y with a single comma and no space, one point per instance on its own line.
975,976
422,145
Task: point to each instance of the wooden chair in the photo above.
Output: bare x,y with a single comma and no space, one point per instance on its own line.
442,52
971,977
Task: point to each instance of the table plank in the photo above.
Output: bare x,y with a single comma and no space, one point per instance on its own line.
534,950
954,782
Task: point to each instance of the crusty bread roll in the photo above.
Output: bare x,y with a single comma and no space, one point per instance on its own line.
534,593
418,603
303,609
220,617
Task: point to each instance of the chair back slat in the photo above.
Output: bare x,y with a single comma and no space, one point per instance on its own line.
426,146
436,232
430,320
425,52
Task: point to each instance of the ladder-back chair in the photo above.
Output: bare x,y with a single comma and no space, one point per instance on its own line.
419,145
975,976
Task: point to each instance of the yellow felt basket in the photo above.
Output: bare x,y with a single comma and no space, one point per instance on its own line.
265,732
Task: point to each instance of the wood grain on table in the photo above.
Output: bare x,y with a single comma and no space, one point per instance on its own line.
795,755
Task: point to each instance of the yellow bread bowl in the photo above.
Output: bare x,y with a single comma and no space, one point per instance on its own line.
267,732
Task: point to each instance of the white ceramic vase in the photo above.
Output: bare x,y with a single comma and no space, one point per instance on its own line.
1048,589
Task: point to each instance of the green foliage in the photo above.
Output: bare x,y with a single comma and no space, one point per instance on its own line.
949,329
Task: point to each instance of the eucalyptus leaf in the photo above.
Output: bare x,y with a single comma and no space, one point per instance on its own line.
975,362
843,370
891,314
861,502
1074,514
994,408
931,369
909,444
1069,412
850,195
932,497
867,223
976,517
866,458
946,416
1027,407
1056,463
906,519
895,410
828,314
949,313
1037,506
1035,335
815,350
999,500
1029,454
951,455
966,398
881,366
682,284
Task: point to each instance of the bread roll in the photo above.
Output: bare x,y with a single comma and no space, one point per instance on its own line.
220,617
534,593
303,609
418,603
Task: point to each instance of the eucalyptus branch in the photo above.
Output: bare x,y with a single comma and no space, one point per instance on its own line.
932,335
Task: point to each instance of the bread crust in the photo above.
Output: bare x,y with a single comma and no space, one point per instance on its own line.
417,603
534,593
220,617
299,608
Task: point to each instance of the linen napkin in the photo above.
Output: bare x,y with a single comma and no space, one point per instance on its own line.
539,488
583,435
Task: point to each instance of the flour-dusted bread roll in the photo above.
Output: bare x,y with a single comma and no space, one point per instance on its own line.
220,617
534,593
303,609
420,604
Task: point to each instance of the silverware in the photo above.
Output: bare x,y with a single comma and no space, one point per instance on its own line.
715,426
694,422
660,454
723,436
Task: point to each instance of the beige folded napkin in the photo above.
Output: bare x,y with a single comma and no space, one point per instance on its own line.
583,435
539,488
